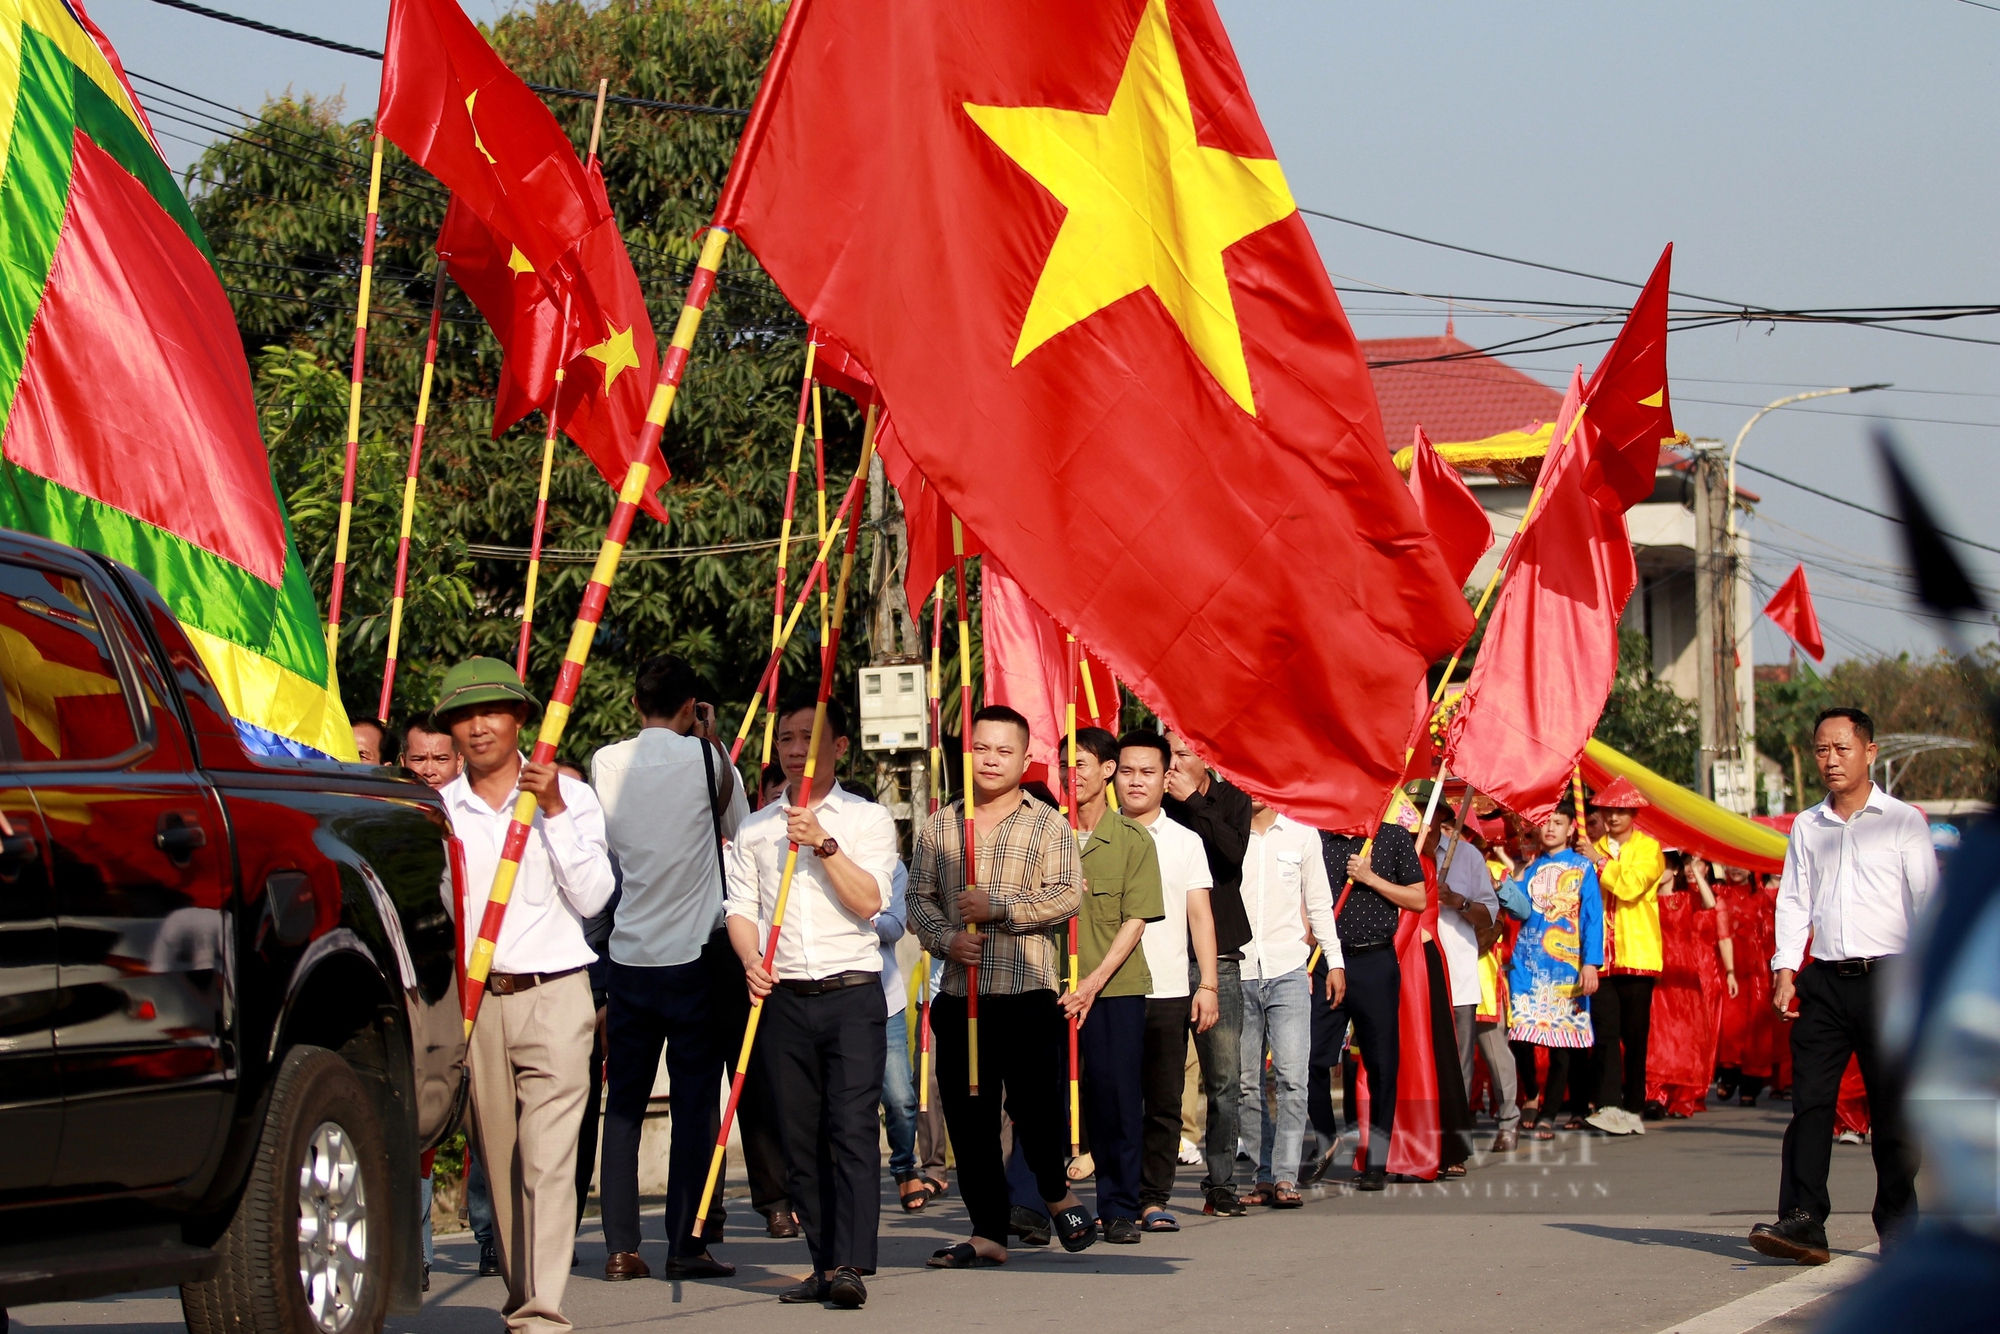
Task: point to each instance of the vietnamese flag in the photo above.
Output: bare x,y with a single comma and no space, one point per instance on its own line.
1627,413
1453,514
1058,238
1546,665
1791,610
501,282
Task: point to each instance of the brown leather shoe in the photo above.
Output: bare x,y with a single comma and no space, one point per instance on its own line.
1507,1141
781,1223
623,1265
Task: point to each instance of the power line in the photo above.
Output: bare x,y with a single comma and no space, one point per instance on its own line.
546,90
1855,505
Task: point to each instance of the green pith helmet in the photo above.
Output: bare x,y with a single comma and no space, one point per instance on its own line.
482,681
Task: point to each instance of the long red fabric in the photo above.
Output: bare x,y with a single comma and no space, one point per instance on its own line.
1235,542
1453,514
1027,663
1791,610
1687,1005
1550,653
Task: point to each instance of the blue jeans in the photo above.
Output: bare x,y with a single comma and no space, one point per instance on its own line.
1277,1015
427,1222
899,1099
478,1198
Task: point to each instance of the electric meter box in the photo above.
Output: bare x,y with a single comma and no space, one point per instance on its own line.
894,706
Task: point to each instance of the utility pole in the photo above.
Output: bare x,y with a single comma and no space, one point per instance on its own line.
1713,635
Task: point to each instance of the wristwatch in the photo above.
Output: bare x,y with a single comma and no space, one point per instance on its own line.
826,848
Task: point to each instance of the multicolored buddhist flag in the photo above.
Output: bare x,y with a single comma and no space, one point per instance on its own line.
127,425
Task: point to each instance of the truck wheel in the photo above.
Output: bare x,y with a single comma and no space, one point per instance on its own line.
301,1256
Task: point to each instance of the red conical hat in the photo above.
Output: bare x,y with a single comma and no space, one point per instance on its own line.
1621,794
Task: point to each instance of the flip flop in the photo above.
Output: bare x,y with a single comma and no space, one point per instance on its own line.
1257,1195
1075,1229
1159,1221
1286,1197
1454,1172
961,1256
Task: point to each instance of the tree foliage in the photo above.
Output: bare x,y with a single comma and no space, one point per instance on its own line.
283,202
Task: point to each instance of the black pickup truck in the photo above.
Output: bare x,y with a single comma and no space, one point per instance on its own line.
228,999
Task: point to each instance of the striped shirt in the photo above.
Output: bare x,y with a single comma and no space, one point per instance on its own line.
1030,868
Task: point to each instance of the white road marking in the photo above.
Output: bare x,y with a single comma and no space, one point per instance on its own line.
1780,1298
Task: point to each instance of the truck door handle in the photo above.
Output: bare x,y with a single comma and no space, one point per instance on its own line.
17,851
178,838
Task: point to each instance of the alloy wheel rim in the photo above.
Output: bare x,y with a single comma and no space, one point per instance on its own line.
333,1228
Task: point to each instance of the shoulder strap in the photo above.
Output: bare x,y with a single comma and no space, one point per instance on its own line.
714,810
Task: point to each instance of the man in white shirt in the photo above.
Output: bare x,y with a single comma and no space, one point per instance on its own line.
1467,910
822,1038
1172,1007
1285,888
531,1046
1858,871
669,794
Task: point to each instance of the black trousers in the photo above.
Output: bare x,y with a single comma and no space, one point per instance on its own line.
1373,1005
1023,1063
593,1108
1162,1075
1329,1051
827,1052
1621,1014
1111,1047
1837,1020
651,1008
756,1112
1524,1071
1552,1092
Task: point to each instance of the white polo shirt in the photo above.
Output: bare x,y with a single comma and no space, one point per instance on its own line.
564,877
820,937
1183,866
1856,885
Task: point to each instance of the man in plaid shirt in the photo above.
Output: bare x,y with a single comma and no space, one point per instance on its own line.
1029,883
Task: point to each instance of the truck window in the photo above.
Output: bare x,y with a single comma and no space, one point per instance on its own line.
67,701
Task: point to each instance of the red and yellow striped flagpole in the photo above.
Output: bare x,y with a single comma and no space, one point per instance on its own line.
937,789
673,369
1076,668
971,834
816,574
784,548
839,612
410,498
819,500
354,410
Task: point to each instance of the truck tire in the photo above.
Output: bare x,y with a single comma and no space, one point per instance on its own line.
302,1254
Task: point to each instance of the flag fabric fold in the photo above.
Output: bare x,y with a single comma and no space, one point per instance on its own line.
124,389
1454,515
1791,610
1628,413
1057,237
1027,666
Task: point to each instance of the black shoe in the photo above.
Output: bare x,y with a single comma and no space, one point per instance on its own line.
1317,1168
1794,1237
1222,1203
489,1260
813,1290
1375,1178
1121,1232
1032,1228
425,1285
697,1266
847,1290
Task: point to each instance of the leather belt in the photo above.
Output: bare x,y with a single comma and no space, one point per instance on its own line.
1854,967
1349,951
805,986
509,984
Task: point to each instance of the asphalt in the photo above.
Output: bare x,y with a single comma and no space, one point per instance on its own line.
1636,1234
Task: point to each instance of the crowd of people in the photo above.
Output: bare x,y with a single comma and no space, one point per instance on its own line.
1214,966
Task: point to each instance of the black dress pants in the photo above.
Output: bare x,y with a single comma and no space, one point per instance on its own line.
1023,1062
1329,1050
756,1112
651,1008
1373,1005
1621,1015
593,1110
1837,1020
827,1052
1162,1075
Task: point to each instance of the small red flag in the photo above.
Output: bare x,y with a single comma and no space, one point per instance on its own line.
1546,664
1627,416
1027,666
1059,239
1791,610
1453,514
504,286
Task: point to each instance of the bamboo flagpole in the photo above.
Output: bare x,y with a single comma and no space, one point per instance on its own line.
549,437
1076,668
354,411
971,834
839,612
784,548
937,790
673,369
410,499
819,501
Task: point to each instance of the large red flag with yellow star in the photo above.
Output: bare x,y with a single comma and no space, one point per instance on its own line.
1058,238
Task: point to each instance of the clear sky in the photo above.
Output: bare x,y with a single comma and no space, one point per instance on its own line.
1799,155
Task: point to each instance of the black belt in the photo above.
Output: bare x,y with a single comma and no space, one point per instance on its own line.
508,984
1855,967
809,986
1350,951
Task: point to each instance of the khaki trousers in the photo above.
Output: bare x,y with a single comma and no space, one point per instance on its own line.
530,1063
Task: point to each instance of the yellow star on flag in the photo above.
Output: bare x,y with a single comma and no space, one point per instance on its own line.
470,98
615,353
518,262
1147,207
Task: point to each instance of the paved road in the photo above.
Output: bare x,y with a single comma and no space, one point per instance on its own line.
1627,1236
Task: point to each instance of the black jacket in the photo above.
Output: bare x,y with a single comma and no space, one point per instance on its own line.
1221,816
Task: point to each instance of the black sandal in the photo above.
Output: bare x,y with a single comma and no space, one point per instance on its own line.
961,1256
1453,1173
913,1200
1076,1229
936,1187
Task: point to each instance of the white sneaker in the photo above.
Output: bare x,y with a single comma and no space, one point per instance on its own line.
1190,1156
1847,1137
1610,1120
1633,1121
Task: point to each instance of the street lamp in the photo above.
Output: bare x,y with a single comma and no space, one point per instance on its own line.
1759,416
